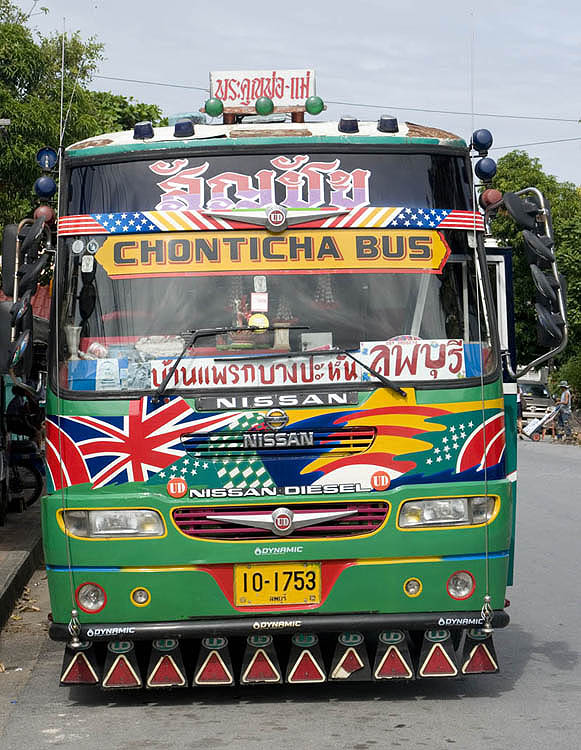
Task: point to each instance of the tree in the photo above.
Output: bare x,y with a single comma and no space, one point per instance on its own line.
518,170
30,93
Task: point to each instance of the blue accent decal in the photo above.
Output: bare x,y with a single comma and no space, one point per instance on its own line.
478,556
81,569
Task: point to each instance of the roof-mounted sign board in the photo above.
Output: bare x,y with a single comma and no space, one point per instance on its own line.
238,90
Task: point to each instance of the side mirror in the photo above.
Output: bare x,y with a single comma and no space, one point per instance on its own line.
29,274
30,234
20,308
18,350
5,326
549,327
544,284
539,249
524,212
9,238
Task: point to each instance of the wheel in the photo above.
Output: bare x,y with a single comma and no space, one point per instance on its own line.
536,437
26,482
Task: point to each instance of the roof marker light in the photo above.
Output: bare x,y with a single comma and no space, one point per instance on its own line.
45,187
214,107
264,106
387,124
314,105
183,128
143,130
348,124
485,169
481,141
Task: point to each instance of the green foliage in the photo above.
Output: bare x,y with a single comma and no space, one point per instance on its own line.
570,371
30,93
517,170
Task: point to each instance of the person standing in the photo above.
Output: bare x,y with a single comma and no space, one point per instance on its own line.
565,411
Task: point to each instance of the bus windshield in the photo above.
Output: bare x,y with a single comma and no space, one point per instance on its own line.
410,304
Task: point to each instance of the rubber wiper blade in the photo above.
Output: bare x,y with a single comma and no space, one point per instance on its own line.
199,333
382,379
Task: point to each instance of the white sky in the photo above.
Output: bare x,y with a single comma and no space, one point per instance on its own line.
527,58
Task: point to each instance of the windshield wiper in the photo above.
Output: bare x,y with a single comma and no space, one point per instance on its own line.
199,333
337,350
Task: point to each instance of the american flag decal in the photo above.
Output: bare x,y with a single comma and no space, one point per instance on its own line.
370,217
114,450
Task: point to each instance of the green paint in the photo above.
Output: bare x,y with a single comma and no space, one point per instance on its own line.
220,142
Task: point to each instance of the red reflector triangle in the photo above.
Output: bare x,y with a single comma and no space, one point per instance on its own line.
121,674
393,665
306,669
480,660
350,662
213,671
438,663
79,672
260,669
166,674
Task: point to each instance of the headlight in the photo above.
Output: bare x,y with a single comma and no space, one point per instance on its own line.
446,511
113,523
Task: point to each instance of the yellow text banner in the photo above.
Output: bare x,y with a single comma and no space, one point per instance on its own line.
317,251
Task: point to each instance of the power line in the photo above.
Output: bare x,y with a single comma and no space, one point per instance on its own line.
153,83
533,143
385,107
454,112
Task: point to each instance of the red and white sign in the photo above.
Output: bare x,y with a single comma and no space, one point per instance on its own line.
177,487
239,89
380,481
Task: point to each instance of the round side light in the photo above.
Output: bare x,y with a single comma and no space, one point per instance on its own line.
485,169
481,140
461,585
140,597
45,187
46,212
214,107
412,587
91,597
264,106
314,105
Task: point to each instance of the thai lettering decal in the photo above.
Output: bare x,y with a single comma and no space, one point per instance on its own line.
305,184
317,251
398,360
238,90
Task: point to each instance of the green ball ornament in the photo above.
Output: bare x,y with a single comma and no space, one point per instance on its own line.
214,107
314,105
264,106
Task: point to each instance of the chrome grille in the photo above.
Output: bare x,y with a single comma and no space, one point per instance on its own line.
341,441
364,518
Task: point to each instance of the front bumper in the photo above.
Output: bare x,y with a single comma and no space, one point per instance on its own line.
243,626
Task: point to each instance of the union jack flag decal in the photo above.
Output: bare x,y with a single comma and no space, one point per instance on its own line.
114,450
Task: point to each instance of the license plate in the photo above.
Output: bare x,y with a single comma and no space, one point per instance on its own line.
277,584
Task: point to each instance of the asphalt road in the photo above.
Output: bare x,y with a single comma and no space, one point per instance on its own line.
535,702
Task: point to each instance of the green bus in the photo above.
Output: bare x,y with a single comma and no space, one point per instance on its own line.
281,406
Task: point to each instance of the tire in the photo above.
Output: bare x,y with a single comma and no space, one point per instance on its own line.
28,483
536,437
